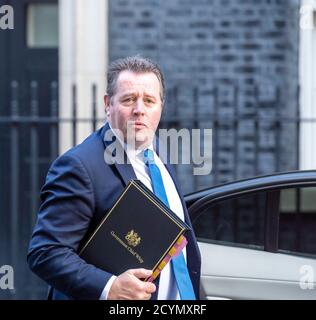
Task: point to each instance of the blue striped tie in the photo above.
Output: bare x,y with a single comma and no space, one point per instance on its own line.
179,267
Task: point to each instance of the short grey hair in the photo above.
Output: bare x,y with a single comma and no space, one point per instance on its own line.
135,64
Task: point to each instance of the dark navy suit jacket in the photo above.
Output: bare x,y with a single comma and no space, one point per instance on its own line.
80,189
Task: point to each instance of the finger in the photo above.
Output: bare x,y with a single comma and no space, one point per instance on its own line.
145,296
150,287
148,297
141,273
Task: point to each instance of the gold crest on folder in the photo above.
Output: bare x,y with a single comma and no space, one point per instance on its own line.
132,238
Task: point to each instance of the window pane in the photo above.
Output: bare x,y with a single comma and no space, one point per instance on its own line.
297,232
42,26
308,200
237,221
288,200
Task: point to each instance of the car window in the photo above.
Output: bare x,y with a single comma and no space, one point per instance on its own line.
297,224
238,221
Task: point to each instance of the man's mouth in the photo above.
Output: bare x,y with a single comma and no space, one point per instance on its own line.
139,124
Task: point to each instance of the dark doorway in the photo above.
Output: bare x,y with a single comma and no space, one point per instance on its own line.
28,80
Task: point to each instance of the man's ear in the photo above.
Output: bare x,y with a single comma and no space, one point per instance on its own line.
107,105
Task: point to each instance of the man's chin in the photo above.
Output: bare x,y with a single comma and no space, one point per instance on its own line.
141,141
140,138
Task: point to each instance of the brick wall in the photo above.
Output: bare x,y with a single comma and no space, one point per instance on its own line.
227,59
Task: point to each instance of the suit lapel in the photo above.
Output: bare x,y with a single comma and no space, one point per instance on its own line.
125,169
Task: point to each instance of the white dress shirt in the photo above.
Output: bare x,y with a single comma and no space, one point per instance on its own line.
167,285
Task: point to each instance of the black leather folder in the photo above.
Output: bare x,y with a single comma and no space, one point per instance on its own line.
138,232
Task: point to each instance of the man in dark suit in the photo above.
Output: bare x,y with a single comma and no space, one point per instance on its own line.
81,187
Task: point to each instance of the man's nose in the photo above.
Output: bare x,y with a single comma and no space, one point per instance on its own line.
139,107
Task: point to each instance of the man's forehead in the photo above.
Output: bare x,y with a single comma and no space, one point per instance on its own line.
128,79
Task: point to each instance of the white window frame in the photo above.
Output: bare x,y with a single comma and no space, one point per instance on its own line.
307,80
83,60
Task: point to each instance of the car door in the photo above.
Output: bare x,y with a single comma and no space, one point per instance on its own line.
258,237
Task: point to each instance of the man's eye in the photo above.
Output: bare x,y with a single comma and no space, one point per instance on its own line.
149,101
128,100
